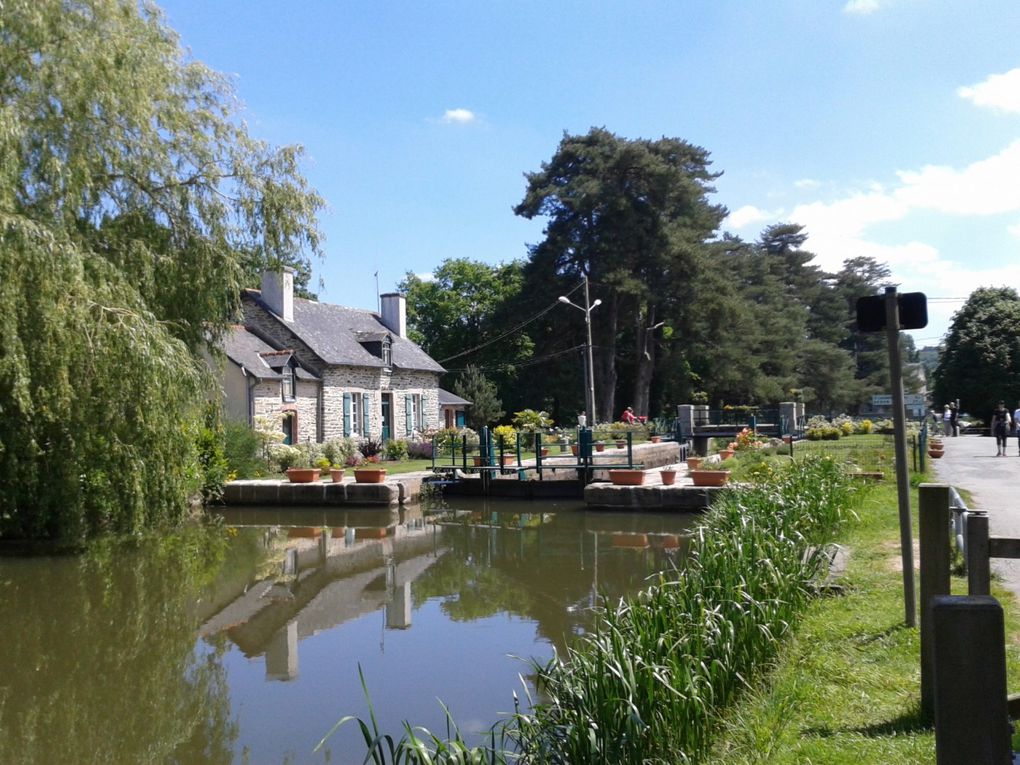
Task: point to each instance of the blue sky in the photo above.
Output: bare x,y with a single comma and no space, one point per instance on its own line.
888,128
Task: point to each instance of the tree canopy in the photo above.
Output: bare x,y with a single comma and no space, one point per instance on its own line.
133,207
980,363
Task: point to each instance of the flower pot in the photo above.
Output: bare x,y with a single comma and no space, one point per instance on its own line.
545,452
935,453
627,477
693,463
655,439
506,459
369,475
302,475
336,474
710,477
668,477
600,447
574,449
787,439
725,453
621,444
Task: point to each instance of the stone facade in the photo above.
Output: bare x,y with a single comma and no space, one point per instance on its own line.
268,401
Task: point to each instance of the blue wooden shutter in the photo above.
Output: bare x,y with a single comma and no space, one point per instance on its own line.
460,419
365,414
347,414
408,406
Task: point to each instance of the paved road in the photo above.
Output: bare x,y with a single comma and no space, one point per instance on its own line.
994,484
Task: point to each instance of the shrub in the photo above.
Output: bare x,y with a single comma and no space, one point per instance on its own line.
419,450
396,449
287,457
337,450
505,436
242,449
530,420
369,447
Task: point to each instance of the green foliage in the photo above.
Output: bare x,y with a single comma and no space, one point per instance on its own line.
212,458
396,449
980,363
485,407
531,421
242,450
505,436
133,208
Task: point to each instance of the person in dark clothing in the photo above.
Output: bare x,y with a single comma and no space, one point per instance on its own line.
1001,422
954,420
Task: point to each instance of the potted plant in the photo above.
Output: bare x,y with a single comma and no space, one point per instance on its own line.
627,477
295,463
655,439
336,474
668,475
711,473
600,446
369,472
693,463
725,454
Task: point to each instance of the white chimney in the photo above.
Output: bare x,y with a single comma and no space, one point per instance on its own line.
278,292
394,313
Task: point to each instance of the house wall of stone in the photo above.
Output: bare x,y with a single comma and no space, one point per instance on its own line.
268,401
337,381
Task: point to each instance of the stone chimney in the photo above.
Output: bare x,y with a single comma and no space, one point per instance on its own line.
394,313
278,292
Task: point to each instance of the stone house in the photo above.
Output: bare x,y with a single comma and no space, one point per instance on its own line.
328,370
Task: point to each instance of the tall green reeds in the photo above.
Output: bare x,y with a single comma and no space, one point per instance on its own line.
648,683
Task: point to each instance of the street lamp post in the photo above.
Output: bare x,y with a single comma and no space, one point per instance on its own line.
589,403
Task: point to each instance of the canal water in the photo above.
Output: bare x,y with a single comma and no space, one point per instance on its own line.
165,652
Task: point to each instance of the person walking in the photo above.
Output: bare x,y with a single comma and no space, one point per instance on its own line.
947,420
1016,425
1001,422
954,419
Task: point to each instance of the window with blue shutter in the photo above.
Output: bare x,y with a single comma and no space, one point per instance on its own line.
408,415
347,414
365,413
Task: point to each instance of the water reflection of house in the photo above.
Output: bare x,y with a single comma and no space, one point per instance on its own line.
350,565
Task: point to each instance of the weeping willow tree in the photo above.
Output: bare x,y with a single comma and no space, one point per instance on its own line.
133,207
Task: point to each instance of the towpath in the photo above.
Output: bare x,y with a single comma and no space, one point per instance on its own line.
994,484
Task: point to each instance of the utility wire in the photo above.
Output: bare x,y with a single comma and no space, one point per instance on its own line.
530,362
509,332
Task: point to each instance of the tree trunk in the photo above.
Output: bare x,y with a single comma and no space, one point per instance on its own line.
644,332
605,362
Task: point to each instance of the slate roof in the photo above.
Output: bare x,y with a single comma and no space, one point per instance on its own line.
332,332
451,399
257,357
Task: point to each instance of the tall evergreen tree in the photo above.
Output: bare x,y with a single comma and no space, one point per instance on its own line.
486,408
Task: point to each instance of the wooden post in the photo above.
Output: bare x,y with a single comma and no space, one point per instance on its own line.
978,568
892,330
933,509
971,716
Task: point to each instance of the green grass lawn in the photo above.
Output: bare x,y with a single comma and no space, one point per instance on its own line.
847,688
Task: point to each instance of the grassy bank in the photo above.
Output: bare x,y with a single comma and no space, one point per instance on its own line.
846,687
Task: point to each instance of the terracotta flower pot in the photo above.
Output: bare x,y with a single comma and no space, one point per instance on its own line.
621,444
627,477
302,475
710,477
600,447
369,475
545,452
935,453
477,461
336,474
668,477
693,463
725,453
655,439
574,449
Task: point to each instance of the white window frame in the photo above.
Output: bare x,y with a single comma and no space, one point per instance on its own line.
288,381
356,418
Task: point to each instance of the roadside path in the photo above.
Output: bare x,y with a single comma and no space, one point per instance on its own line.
994,485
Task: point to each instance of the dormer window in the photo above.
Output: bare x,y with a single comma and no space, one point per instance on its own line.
387,351
287,382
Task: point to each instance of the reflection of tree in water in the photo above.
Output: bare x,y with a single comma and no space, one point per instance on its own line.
540,567
99,661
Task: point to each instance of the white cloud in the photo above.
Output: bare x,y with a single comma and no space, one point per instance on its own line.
985,187
1014,230
426,277
458,116
745,216
807,184
862,7
999,91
